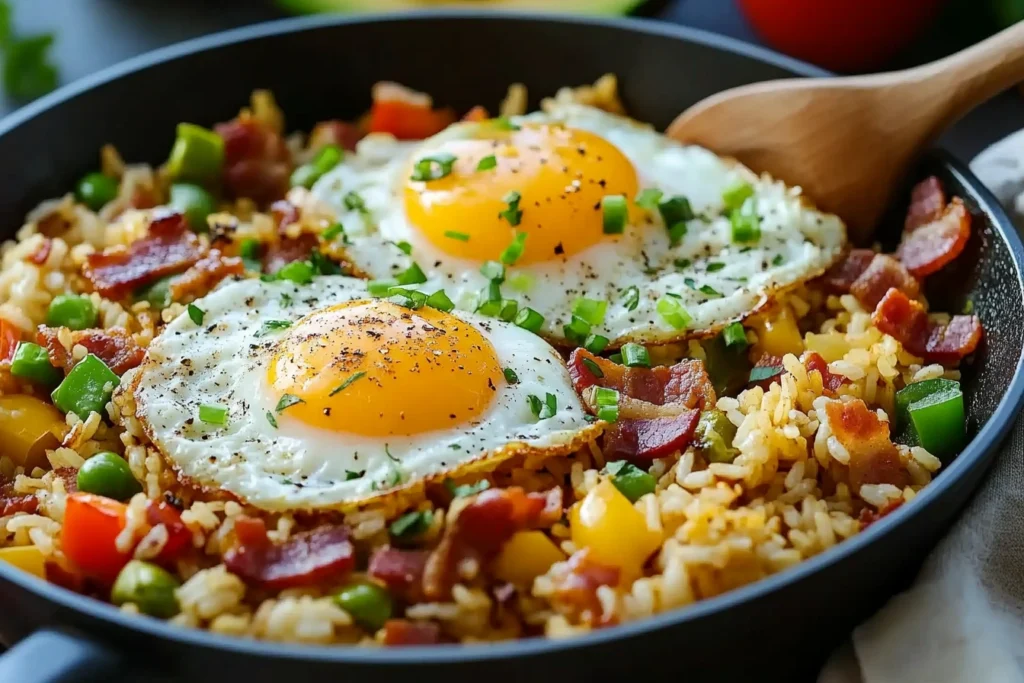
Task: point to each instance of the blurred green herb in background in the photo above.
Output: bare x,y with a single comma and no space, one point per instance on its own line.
27,69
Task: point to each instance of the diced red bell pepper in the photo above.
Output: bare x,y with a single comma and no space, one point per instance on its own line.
91,526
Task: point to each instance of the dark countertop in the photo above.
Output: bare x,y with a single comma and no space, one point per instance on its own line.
93,34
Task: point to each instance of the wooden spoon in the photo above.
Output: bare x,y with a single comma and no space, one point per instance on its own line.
849,142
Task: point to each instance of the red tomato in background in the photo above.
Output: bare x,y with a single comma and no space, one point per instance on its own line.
842,35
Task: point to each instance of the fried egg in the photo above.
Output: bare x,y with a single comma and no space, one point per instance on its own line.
458,200
315,397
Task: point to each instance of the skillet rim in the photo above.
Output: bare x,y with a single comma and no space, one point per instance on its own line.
988,438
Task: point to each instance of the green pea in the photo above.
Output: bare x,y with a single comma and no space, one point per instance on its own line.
96,190
368,604
148,587
73,311
299,272
86,389
195,202
107,474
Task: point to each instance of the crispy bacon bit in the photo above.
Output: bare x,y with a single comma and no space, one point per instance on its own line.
322,555
205,275
340,133
12,503
868,516
179,538
42,251
931,246
907,321
927,200
68,475
400,570
868,276
170,248
685,383
646,439
257,163
288,249
831,383
405,632
874,459
115,347
576,582
285,213
476,114
481,528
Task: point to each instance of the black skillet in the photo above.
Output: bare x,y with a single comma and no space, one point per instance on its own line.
780,628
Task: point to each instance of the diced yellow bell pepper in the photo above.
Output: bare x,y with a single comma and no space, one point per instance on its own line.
27,558
777,333
28,427
832,346
614,531
525,556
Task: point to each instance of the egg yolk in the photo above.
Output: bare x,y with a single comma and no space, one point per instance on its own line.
561,175
379,369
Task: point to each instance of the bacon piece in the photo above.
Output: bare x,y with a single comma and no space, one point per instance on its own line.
685,383
68,475
115,347
257,163
576,582
405,632
285,213
12,503
927,200
288,249
831,383
907,321
882,274
205,275
42,251
169,248
874,458
400,570
482,527
319,556
840,277
646,439
868,516
340,133
931,246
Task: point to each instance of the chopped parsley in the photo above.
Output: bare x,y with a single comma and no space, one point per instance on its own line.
271,419
411,524
404,247
344,385
333,232
510,376
460,236
273,326
196,314
354,202
778,260
350,475
487,163
434,167
714,267
287,401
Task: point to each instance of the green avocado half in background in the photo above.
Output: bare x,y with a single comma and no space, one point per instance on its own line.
578,6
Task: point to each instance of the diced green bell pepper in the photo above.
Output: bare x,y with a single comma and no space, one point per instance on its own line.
931,414
197,155
31,362
630,480
86,389
714,436
195,202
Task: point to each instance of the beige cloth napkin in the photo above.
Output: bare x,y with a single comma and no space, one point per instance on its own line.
963,619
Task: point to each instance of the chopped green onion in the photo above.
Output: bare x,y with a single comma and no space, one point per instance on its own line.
354,202
411,524
714,267
594,368
197,155
734,336
648,198
273,326
509,309
735,196
440,301
493,271
673,312
487,163
595,343
630,480
614,212
434,167
287,401
514,251
676,233
348,381
491,309
408,298
460,236
379,288
86,389
512,214
631,298
413,275
326,159
607,401
32,362
492,292
616,358
521,282
196,314
250,249
71,311
510,376
746,225
323,265
543,410
778,260
404,247
213,414
529,319
635,356
591,310
299,272
675,210
577,330
466,489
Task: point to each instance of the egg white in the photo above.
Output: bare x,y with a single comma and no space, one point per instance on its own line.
797,242
298,467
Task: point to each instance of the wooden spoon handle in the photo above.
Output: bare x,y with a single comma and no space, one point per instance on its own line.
970,77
